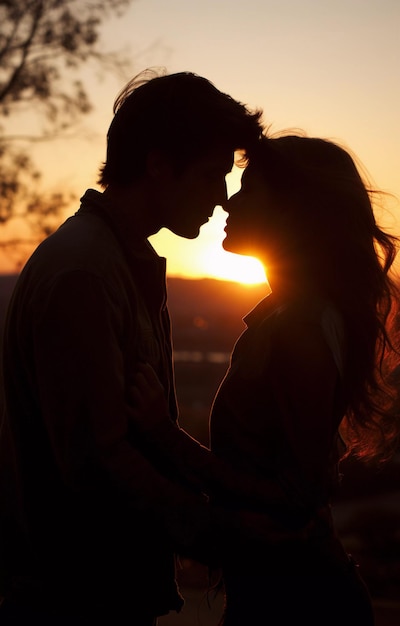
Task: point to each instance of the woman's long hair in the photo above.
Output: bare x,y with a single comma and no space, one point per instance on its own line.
349,260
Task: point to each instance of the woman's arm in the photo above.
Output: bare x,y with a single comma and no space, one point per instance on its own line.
195,462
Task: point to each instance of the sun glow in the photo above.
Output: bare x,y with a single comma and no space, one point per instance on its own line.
228,266
214,259
204,256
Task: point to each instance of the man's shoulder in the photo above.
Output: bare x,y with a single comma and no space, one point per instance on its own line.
82,246
83,242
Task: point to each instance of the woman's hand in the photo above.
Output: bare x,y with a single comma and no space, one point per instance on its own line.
148,405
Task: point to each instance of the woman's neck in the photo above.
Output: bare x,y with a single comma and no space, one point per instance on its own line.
288,283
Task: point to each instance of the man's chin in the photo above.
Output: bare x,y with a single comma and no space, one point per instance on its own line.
187,234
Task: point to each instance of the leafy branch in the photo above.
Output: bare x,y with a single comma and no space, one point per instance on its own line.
44,44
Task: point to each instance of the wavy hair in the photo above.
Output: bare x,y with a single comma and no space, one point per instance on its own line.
349,259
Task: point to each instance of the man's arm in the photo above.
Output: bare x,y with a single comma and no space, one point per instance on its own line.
80,381
198,464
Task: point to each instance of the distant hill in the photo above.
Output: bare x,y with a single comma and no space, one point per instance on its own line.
188,298
207,314
208,295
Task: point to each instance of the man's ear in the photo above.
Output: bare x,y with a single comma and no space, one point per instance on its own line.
158,165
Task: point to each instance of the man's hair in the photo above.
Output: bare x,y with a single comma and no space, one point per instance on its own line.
182,114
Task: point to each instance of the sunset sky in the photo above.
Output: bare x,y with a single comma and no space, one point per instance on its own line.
328,67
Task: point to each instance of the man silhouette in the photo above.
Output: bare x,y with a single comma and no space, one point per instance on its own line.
91,519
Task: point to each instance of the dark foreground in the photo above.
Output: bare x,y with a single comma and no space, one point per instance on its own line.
206,319
200,612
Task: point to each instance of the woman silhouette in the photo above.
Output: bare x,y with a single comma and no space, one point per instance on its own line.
310,381
310,374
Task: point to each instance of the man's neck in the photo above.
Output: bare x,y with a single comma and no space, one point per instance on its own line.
131,207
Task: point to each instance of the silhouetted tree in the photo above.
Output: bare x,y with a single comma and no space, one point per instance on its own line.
43,45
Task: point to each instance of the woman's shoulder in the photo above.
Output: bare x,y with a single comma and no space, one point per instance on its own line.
307,311
312,322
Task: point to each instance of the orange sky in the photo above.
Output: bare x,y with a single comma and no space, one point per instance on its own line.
329,67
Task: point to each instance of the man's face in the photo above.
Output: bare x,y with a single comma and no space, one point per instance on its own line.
191,196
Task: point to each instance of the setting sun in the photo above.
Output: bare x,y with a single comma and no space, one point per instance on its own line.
228,266
205,256
221,264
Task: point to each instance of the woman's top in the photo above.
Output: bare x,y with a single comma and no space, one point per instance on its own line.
277,411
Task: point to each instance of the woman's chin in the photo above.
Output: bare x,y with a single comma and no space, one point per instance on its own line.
230,246
227,246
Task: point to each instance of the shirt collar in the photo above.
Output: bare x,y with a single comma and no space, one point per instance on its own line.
266,307
146,266
134,245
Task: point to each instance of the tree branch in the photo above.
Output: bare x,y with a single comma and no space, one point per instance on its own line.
25,51
19,241
7,48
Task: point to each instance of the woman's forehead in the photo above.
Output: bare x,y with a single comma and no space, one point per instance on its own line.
254,173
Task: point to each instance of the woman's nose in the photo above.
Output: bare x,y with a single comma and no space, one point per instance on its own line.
230,203
222,195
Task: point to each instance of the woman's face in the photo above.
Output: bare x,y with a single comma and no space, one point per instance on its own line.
251,226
